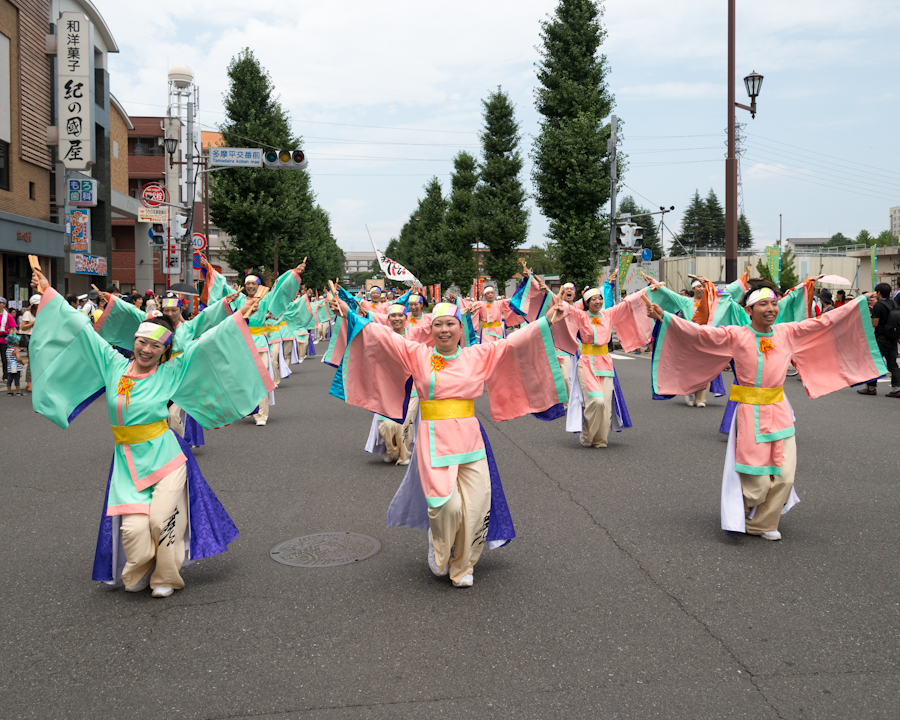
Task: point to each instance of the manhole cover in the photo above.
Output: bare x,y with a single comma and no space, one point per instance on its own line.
325,549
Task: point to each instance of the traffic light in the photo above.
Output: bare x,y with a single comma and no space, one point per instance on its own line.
285,160
158,235
178,226
630,235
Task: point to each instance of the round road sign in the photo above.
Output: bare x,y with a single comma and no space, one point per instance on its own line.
646,254
154,195
199,241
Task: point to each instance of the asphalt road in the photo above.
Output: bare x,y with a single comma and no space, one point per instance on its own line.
620,597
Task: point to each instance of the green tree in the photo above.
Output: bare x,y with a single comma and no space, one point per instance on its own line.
431,261
571,166
745,235
838,240
789,277
885,238
694,224
254,205
628,206
461,228
865,238
502,215
714,232
542,260
313,240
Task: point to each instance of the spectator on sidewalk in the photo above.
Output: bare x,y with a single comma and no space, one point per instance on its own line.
26,323
880,310
13,366
7,325
826,300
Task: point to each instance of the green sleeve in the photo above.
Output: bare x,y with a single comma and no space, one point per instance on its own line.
730,312
672,302
735,290
792,307
70,362
277,300
219,378
218,289
119,322
205,321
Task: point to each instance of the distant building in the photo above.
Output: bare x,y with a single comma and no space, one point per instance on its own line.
895,221
806,245
355,262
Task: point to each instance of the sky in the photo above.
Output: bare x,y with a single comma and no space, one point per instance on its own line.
385,94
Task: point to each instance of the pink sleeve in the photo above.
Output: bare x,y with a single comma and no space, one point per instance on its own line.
687,356
522,373
510,316
632,325
565,331
837,349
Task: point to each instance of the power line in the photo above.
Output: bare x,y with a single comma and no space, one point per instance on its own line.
812,182
828,165
833,157
883,188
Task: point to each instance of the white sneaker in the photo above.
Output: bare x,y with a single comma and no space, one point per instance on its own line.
466,580
771,535
140,584
689,400
162,591
584,440
701,404
432,561
387,458
404,462
260,422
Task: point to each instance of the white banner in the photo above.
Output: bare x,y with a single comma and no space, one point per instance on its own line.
75,100
394,270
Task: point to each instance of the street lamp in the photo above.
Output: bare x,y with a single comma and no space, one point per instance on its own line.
753,82
171,147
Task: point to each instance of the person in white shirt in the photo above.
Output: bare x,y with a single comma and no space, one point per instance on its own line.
26,323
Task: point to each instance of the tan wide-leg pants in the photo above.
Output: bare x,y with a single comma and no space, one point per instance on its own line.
176,422
701,396
263,413
463,520
158,538
275,355
597,412
565,365
769,493
392,434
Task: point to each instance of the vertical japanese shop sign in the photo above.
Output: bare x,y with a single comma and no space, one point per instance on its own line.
74,52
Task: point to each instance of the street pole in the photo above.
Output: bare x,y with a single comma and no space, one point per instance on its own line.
613,259
731,220
276,257
189,142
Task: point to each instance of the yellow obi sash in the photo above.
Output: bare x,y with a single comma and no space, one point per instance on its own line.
263,329
136,434
491,324
594,349
449,409
757,396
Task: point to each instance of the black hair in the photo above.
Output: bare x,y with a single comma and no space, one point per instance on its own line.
167,324
72,299
884,289
842,293
756,284
112,289
134,297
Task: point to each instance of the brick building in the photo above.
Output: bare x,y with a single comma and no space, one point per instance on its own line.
27,225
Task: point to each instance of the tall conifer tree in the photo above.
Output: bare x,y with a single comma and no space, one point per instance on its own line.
571,167
500,196
462,220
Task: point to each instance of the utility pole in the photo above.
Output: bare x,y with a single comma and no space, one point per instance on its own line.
611,147
731,273
276,256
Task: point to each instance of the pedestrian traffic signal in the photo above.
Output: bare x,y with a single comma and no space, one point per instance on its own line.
179,222
157,236
285,160
630,235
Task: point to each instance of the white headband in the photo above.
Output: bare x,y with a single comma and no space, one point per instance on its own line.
760,294
488,289
154,331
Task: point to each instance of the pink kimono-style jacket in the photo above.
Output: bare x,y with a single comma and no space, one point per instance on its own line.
831,352
522,376
498,311
629,321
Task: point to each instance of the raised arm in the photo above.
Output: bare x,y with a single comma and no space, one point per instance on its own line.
119,322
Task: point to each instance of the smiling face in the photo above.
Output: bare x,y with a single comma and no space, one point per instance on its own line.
446,332
397,321
147,353
595,304
173,314
490,295
415,308
763,314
